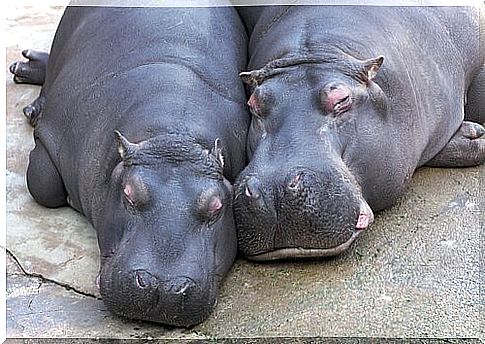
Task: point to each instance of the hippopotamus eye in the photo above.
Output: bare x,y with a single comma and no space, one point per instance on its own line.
128,192
135,192
254,105
343,105
214,209
337,100
211,204
260,102
215,205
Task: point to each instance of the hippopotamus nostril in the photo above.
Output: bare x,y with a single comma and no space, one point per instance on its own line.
13,67
143,279
295,181
182,285
252,189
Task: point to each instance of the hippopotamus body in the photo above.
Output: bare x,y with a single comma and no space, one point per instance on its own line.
346,102
141,126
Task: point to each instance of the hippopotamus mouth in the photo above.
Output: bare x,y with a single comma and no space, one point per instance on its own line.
366,217
300,252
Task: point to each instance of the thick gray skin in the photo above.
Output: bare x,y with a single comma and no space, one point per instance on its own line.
347,102
159,194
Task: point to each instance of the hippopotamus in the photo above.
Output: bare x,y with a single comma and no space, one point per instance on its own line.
141,126
347,102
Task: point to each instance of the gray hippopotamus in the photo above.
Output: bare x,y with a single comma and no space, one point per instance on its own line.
141,126
346,102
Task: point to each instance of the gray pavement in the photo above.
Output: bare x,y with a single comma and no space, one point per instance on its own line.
417,272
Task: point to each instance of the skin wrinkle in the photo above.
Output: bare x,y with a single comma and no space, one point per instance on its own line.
166,60
331,58
179,149
274,21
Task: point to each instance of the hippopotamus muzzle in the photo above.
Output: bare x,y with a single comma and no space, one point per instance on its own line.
177,300
156,283
305,214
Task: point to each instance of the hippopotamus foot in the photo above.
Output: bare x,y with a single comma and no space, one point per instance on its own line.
33,111
31,72
43,179
466,148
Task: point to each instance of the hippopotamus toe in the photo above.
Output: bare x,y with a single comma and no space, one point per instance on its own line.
33,71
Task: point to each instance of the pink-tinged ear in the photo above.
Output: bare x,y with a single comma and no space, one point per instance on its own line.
372,66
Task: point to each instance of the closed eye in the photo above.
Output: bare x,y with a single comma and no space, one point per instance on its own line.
343,105
343,100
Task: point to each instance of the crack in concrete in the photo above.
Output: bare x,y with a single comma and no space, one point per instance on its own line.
41,312
44,279
29,305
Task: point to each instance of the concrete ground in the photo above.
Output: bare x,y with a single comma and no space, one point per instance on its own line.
415,273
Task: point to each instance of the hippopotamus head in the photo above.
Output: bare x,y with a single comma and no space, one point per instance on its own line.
167,236
304,192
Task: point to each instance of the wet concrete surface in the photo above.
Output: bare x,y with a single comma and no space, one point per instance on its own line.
417,272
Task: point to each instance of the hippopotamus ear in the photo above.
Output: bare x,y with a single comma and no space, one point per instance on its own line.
252,77
217,152
125,147
371,67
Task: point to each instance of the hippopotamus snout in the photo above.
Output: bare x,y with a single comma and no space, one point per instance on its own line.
301,213
177,300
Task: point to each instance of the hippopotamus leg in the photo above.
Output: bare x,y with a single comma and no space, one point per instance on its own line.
33,71
475,105
43,179
465,148
33,111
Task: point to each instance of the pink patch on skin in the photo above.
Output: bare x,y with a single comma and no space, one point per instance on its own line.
363,221
128,190
252,102
334,97
215,204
